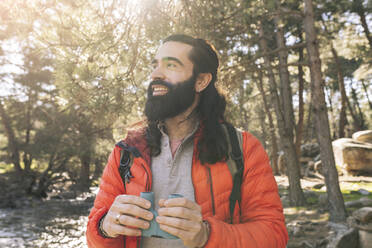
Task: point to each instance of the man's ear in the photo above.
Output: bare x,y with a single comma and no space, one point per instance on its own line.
202,81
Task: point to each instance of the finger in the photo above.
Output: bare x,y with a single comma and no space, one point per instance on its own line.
179,223
129,209
182,234
133,222
123,230
181,212
161,203
135,200
182,202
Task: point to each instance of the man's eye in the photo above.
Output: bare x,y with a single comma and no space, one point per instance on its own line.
171,65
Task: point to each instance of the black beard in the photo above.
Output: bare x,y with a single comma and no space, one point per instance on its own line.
179,97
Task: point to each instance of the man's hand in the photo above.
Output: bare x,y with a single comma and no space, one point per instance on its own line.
126,215
182,218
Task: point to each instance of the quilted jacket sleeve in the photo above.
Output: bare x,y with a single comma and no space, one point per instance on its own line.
110,186
262,220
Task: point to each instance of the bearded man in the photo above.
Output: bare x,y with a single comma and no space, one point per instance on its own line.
184,149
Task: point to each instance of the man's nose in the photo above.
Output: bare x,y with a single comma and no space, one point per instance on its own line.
157,73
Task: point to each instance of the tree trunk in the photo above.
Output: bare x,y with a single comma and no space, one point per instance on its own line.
300,122
261,116
85,160
274,143
356,124
335,200
361,121
97,169
361,12
245,120
309,123
367,95
27,157
86,154
329,94
12,142
296,196
341,85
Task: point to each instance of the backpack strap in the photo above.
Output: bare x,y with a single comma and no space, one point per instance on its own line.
127,155
235,163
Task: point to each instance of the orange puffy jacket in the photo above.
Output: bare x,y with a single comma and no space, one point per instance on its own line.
258,223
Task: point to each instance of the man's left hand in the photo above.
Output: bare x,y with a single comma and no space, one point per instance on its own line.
182,218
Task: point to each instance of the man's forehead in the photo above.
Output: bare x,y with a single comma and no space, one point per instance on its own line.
174,49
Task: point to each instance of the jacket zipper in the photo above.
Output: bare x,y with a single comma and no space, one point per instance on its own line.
148,177
211,188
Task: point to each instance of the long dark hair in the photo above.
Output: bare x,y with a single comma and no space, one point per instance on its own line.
212,145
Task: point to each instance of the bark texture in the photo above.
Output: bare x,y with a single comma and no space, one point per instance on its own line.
341,86
274,142
296,196
335,200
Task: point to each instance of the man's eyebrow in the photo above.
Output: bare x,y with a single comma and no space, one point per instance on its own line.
173,59
165,59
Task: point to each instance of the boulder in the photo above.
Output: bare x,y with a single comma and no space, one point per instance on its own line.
363,136
348,239
342,236
362,202
353,156
363,222
310,150
364,215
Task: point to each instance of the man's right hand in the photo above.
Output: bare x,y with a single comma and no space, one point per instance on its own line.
127,215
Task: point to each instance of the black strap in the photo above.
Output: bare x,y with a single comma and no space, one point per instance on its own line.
126,160
236,155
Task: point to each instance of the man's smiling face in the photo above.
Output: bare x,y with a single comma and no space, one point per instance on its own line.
171,91
172,63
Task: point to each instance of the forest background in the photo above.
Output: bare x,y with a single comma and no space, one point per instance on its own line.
74,75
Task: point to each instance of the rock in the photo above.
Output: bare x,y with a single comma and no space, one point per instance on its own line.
363,136
348,239
362,221
341,236
364,192
365,239
322,243
318,185
353,156
310,150
362,202
68,195
306,244
12,242
297,232
364,215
